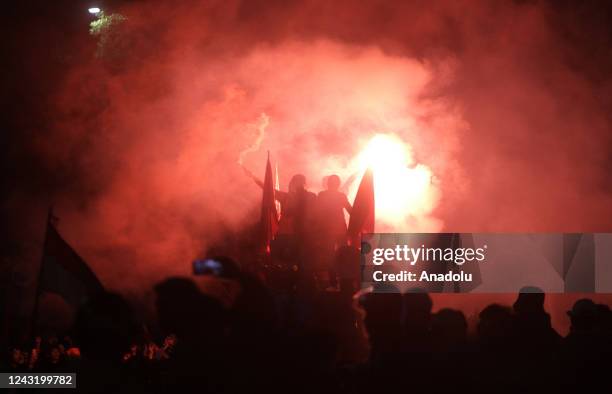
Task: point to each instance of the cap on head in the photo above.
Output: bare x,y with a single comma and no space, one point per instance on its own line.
583,308
530,299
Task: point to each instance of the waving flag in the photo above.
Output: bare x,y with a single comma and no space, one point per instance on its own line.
64,272
277,187
269,215
362,214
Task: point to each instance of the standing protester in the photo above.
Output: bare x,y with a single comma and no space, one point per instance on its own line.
331,224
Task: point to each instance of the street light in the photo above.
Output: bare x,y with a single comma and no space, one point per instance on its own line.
94,10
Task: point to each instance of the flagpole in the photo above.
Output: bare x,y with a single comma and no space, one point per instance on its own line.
36,307
276,187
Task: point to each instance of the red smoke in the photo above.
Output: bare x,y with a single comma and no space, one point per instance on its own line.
487,96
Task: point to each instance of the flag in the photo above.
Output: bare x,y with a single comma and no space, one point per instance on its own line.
64,272
269,215
277,187
363,212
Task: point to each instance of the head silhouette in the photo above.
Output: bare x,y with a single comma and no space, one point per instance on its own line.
105,327
333,182
185,311
604,317
449,326
495,323
417,310
583,315
382,319
297,183
530,300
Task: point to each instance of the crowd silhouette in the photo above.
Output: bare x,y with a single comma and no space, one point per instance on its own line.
300,336
323,341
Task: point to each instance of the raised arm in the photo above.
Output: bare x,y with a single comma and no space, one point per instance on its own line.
248,173
279,195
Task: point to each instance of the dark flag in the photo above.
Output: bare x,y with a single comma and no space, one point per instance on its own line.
269,215
362,215
64,272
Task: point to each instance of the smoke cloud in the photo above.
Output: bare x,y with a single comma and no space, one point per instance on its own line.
499,101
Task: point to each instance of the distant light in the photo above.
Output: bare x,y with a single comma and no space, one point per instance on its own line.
94,10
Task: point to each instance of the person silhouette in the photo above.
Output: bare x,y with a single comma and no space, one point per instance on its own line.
105,327
199,323
416,320
537,343
331,224
296,222
585,349
382,321
296,206
532,322
331,204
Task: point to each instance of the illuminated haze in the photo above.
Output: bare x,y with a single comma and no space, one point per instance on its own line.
499,129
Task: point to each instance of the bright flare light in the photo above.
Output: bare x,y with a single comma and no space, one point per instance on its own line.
403,191
94,10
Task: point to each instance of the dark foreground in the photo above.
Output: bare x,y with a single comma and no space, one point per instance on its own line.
317,342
